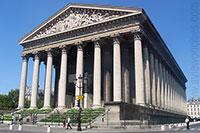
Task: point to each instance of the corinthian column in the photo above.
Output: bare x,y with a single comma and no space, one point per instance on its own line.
161,84
47,93
23,82
35,81
116,69
157,82
152,77
97,75
79,71
147,75
63,79
139,73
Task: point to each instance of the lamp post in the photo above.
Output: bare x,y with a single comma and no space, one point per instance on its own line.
79,84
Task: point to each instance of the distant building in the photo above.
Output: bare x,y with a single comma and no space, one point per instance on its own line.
40,93
193,107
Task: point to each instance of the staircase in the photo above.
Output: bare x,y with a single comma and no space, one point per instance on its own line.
100,121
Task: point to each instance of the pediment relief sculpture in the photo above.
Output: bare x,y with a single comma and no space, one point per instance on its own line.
73,18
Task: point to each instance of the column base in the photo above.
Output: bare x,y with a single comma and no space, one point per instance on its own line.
20,108
33,107
46,107
96,106
61,107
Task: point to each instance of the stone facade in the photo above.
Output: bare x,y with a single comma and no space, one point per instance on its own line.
193,108
117,49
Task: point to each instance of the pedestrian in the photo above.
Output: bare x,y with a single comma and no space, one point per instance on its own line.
68,123
13,118
64,123
187,121
20,120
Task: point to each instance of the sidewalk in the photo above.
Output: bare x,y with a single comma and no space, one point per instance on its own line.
59,129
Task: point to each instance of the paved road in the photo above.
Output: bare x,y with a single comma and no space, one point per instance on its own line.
4,128
195,128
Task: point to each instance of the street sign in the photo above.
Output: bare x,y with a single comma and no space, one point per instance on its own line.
79,97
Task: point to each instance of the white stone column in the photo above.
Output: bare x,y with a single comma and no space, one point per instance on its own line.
139,71
170,92
35,81
48,80
166,88
164,85
23,82
152,77
117,91
79,72
63,79
161,84
147,74
97,74
157,82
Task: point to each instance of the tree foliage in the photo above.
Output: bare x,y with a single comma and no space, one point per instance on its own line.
10,100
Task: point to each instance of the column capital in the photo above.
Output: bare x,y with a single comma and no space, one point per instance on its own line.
116,38
49,52
36,55
25,57
79,45
137,36
97,42
64,48
137,33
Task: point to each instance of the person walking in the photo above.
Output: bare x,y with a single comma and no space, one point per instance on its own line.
69,123
64,123
187,121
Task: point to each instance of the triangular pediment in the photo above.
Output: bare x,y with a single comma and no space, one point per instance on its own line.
75,16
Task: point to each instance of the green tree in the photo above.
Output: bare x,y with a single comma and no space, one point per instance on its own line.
39,103
13,97
3,101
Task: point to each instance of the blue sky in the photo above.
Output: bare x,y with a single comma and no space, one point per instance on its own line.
174,20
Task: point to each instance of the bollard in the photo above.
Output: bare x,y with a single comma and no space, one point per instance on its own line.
162,127
20,128
169,126
179,125
48,129
11,127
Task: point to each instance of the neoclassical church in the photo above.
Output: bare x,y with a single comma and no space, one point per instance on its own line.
111,55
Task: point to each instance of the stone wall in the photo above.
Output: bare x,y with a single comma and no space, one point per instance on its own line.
131,113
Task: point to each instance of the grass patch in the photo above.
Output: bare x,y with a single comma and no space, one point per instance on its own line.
35,111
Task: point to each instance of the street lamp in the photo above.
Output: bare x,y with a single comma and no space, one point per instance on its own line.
80,80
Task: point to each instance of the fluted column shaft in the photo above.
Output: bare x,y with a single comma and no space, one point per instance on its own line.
164,85
116,70
35,81
166,88
161,84
157,82
48,80
79,71
170,92
139,73
152,77
23,83
97,75
63,79
147,74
